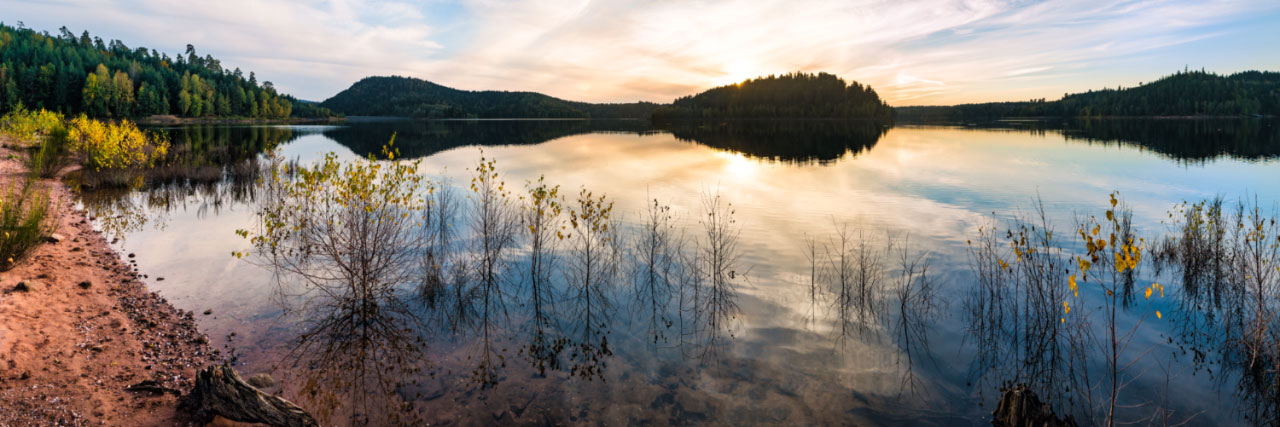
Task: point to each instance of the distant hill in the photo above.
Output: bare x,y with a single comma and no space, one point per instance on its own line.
795,95
411,97
1187,93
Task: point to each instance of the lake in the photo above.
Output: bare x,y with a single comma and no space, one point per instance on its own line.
780,339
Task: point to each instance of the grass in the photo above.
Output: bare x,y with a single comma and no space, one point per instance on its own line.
51,155
25,221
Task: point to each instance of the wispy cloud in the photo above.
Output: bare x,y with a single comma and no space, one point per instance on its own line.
917,52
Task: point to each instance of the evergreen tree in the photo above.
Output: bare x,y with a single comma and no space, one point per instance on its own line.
84,74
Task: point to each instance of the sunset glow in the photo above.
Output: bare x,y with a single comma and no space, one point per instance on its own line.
914,53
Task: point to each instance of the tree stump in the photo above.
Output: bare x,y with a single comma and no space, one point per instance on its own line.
219,391
1020,407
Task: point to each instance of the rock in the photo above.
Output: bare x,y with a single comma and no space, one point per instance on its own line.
261,381
208,312
85,284
22,287
55,238
1019,407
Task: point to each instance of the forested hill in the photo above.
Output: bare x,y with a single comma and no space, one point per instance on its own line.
410,97
82,74
1187,93
795,95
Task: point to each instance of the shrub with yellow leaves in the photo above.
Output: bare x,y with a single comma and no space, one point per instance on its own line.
106,145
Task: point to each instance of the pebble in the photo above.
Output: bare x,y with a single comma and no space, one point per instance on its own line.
85,284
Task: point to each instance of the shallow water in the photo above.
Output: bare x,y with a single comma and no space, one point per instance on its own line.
788,354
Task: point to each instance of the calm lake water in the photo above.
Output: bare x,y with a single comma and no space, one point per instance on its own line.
787,351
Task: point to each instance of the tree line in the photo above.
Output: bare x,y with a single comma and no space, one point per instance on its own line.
85,75
411,97
794,95
1185,93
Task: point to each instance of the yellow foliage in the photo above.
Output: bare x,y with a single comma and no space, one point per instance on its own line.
114,145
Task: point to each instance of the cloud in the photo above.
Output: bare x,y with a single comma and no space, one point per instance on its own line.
926,51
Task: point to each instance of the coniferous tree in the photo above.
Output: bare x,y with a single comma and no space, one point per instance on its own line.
84,74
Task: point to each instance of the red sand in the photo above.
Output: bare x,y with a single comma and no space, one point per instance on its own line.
67,351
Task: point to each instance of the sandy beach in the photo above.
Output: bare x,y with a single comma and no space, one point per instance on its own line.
78,329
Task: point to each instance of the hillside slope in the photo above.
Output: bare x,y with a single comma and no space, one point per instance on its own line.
411,97
1187,93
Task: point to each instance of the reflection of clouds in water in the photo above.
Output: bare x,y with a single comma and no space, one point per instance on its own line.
935,184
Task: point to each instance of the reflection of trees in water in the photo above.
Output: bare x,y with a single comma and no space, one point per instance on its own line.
343,246
709,286
1185,140
799,141
876,290
655,275
207,168
421,138
857,272
782,140
1228,259
915,292
590,276
1013,309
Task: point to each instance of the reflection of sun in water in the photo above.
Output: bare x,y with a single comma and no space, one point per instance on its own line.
737,165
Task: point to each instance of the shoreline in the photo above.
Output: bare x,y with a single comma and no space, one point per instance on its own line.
83,327
170,120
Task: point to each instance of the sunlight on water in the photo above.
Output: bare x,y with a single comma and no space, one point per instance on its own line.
927,187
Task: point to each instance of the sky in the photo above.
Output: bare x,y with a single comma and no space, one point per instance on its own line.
913,52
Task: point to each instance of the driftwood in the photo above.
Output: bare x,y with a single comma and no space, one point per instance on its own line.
1020,407
220,391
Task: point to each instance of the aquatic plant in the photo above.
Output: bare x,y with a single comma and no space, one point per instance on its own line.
346,236
494,228
590,274
541,216
655,269
1229,264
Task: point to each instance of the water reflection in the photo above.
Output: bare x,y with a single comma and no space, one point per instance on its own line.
820,141
1192,141
207,169
419,138
660,340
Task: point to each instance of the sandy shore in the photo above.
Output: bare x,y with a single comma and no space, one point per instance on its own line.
84,327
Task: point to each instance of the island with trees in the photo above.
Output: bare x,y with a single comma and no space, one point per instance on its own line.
791,96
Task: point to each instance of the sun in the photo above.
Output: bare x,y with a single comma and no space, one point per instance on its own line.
737,71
